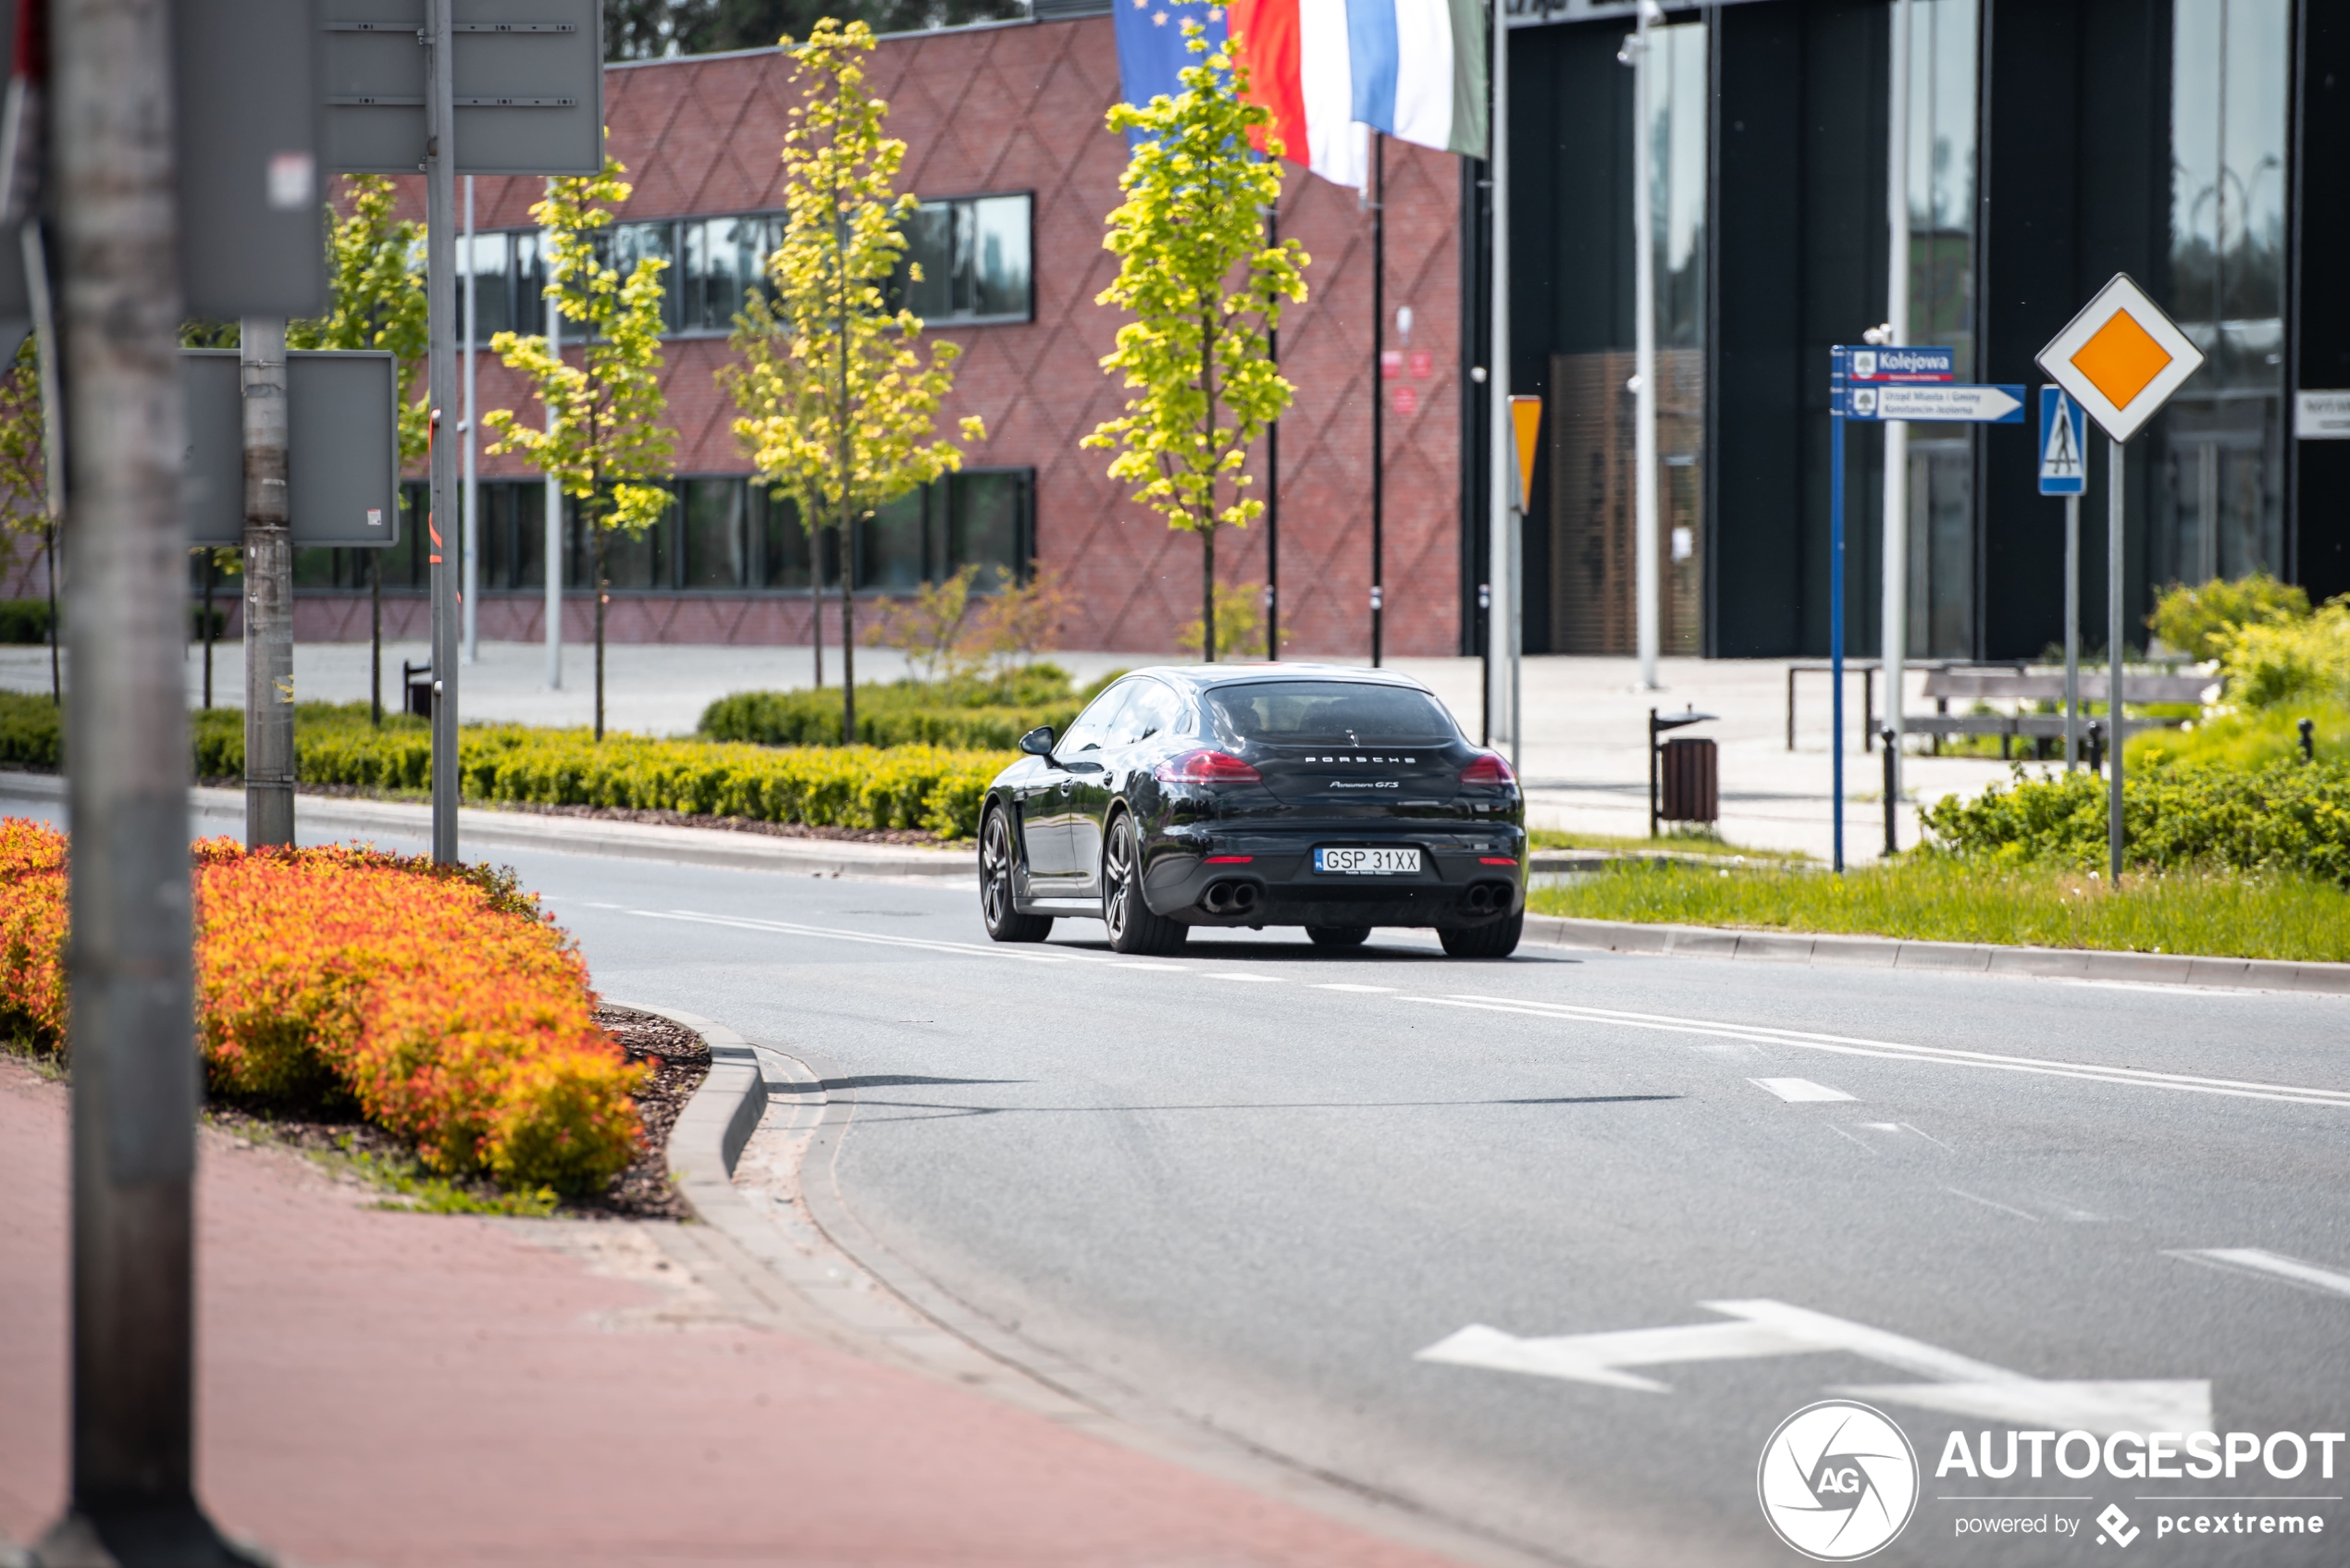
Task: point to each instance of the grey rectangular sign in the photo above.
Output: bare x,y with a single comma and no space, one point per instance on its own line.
342,447
529,85
253,236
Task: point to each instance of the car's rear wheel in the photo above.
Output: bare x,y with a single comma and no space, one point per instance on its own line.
1002,916
1338,936
1132,927
1498,939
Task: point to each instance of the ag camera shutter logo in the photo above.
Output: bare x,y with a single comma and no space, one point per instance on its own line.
1838,1481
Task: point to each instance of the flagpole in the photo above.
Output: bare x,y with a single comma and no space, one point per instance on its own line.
1499,446
1273,469
1378,387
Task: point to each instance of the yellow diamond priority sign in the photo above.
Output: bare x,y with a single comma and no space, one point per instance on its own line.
2121,358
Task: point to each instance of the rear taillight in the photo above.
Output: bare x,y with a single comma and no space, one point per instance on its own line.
1487,768
1205,767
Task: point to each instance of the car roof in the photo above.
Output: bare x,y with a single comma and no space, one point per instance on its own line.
1200,677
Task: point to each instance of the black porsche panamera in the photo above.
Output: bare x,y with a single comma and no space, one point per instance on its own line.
1267,795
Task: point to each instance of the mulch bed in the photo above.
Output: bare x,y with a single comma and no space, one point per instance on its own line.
680,1061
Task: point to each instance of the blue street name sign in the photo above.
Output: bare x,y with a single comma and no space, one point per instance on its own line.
2064,427
1936,401
1903,364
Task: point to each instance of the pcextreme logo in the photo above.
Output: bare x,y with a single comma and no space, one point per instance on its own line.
1837,1481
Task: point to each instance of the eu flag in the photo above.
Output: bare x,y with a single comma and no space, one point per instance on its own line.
1150,44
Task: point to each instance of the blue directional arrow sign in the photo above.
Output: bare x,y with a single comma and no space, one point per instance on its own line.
1932,402
2065,427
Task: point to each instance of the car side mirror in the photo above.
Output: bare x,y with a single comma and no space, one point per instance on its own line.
1038,742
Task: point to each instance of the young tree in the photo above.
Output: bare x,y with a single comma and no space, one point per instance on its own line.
837,404
1204,289
606,445
376,260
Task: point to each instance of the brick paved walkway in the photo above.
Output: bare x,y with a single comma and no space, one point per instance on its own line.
386,1389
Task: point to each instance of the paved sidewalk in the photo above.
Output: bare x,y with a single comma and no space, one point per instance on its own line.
389,1389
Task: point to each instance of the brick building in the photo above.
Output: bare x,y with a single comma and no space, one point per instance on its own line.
1008,150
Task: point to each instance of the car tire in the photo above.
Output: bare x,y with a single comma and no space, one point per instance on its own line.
1132,927
1496,939
998,909
1338,936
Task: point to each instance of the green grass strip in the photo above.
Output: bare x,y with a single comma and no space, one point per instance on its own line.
1937,898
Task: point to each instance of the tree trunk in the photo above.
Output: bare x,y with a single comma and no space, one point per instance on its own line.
375,639
210,570
1207,511
1207,592
848,632
56,683
602,595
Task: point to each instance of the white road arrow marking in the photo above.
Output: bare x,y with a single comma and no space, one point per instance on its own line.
2274,1263
1796,1090
1959,1385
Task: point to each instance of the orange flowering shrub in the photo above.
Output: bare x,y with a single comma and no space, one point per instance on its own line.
458,1023
437,997
33,931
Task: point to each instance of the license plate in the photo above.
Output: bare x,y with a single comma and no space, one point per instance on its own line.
1368,862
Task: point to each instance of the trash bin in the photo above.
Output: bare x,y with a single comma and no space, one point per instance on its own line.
1692,785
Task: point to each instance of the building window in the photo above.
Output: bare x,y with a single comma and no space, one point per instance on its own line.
974,257
2219,495
724,260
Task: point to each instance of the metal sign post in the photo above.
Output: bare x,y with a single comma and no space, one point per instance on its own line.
2064,470
531,103
440,521
1646,571
2121,359
1840,362
1890,383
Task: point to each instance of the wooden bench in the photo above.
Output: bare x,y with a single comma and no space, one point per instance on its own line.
2035,685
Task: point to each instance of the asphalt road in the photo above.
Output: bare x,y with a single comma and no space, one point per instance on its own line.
1255,1182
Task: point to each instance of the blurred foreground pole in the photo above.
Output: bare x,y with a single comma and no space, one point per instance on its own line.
134,1065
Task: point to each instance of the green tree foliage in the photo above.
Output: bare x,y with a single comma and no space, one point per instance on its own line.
606,445
1205,291
2195,620
25,516
647,29
838,403
376,262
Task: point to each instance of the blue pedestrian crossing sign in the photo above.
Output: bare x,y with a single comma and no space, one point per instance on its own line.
2064,466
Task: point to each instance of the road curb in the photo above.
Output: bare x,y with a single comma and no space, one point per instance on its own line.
1968,957
716,848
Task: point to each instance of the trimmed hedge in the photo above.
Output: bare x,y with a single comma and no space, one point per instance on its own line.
812,718
31,731
923,788
2290,817
437,999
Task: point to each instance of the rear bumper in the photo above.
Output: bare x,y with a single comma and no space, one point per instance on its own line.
1251,879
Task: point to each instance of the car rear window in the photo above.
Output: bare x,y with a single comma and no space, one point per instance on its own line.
1329,714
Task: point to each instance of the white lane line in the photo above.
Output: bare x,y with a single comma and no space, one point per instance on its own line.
1020,952
1258,979
1365,989
2275,1264
1795,1089
1153,968
1988,1203
1846,1045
